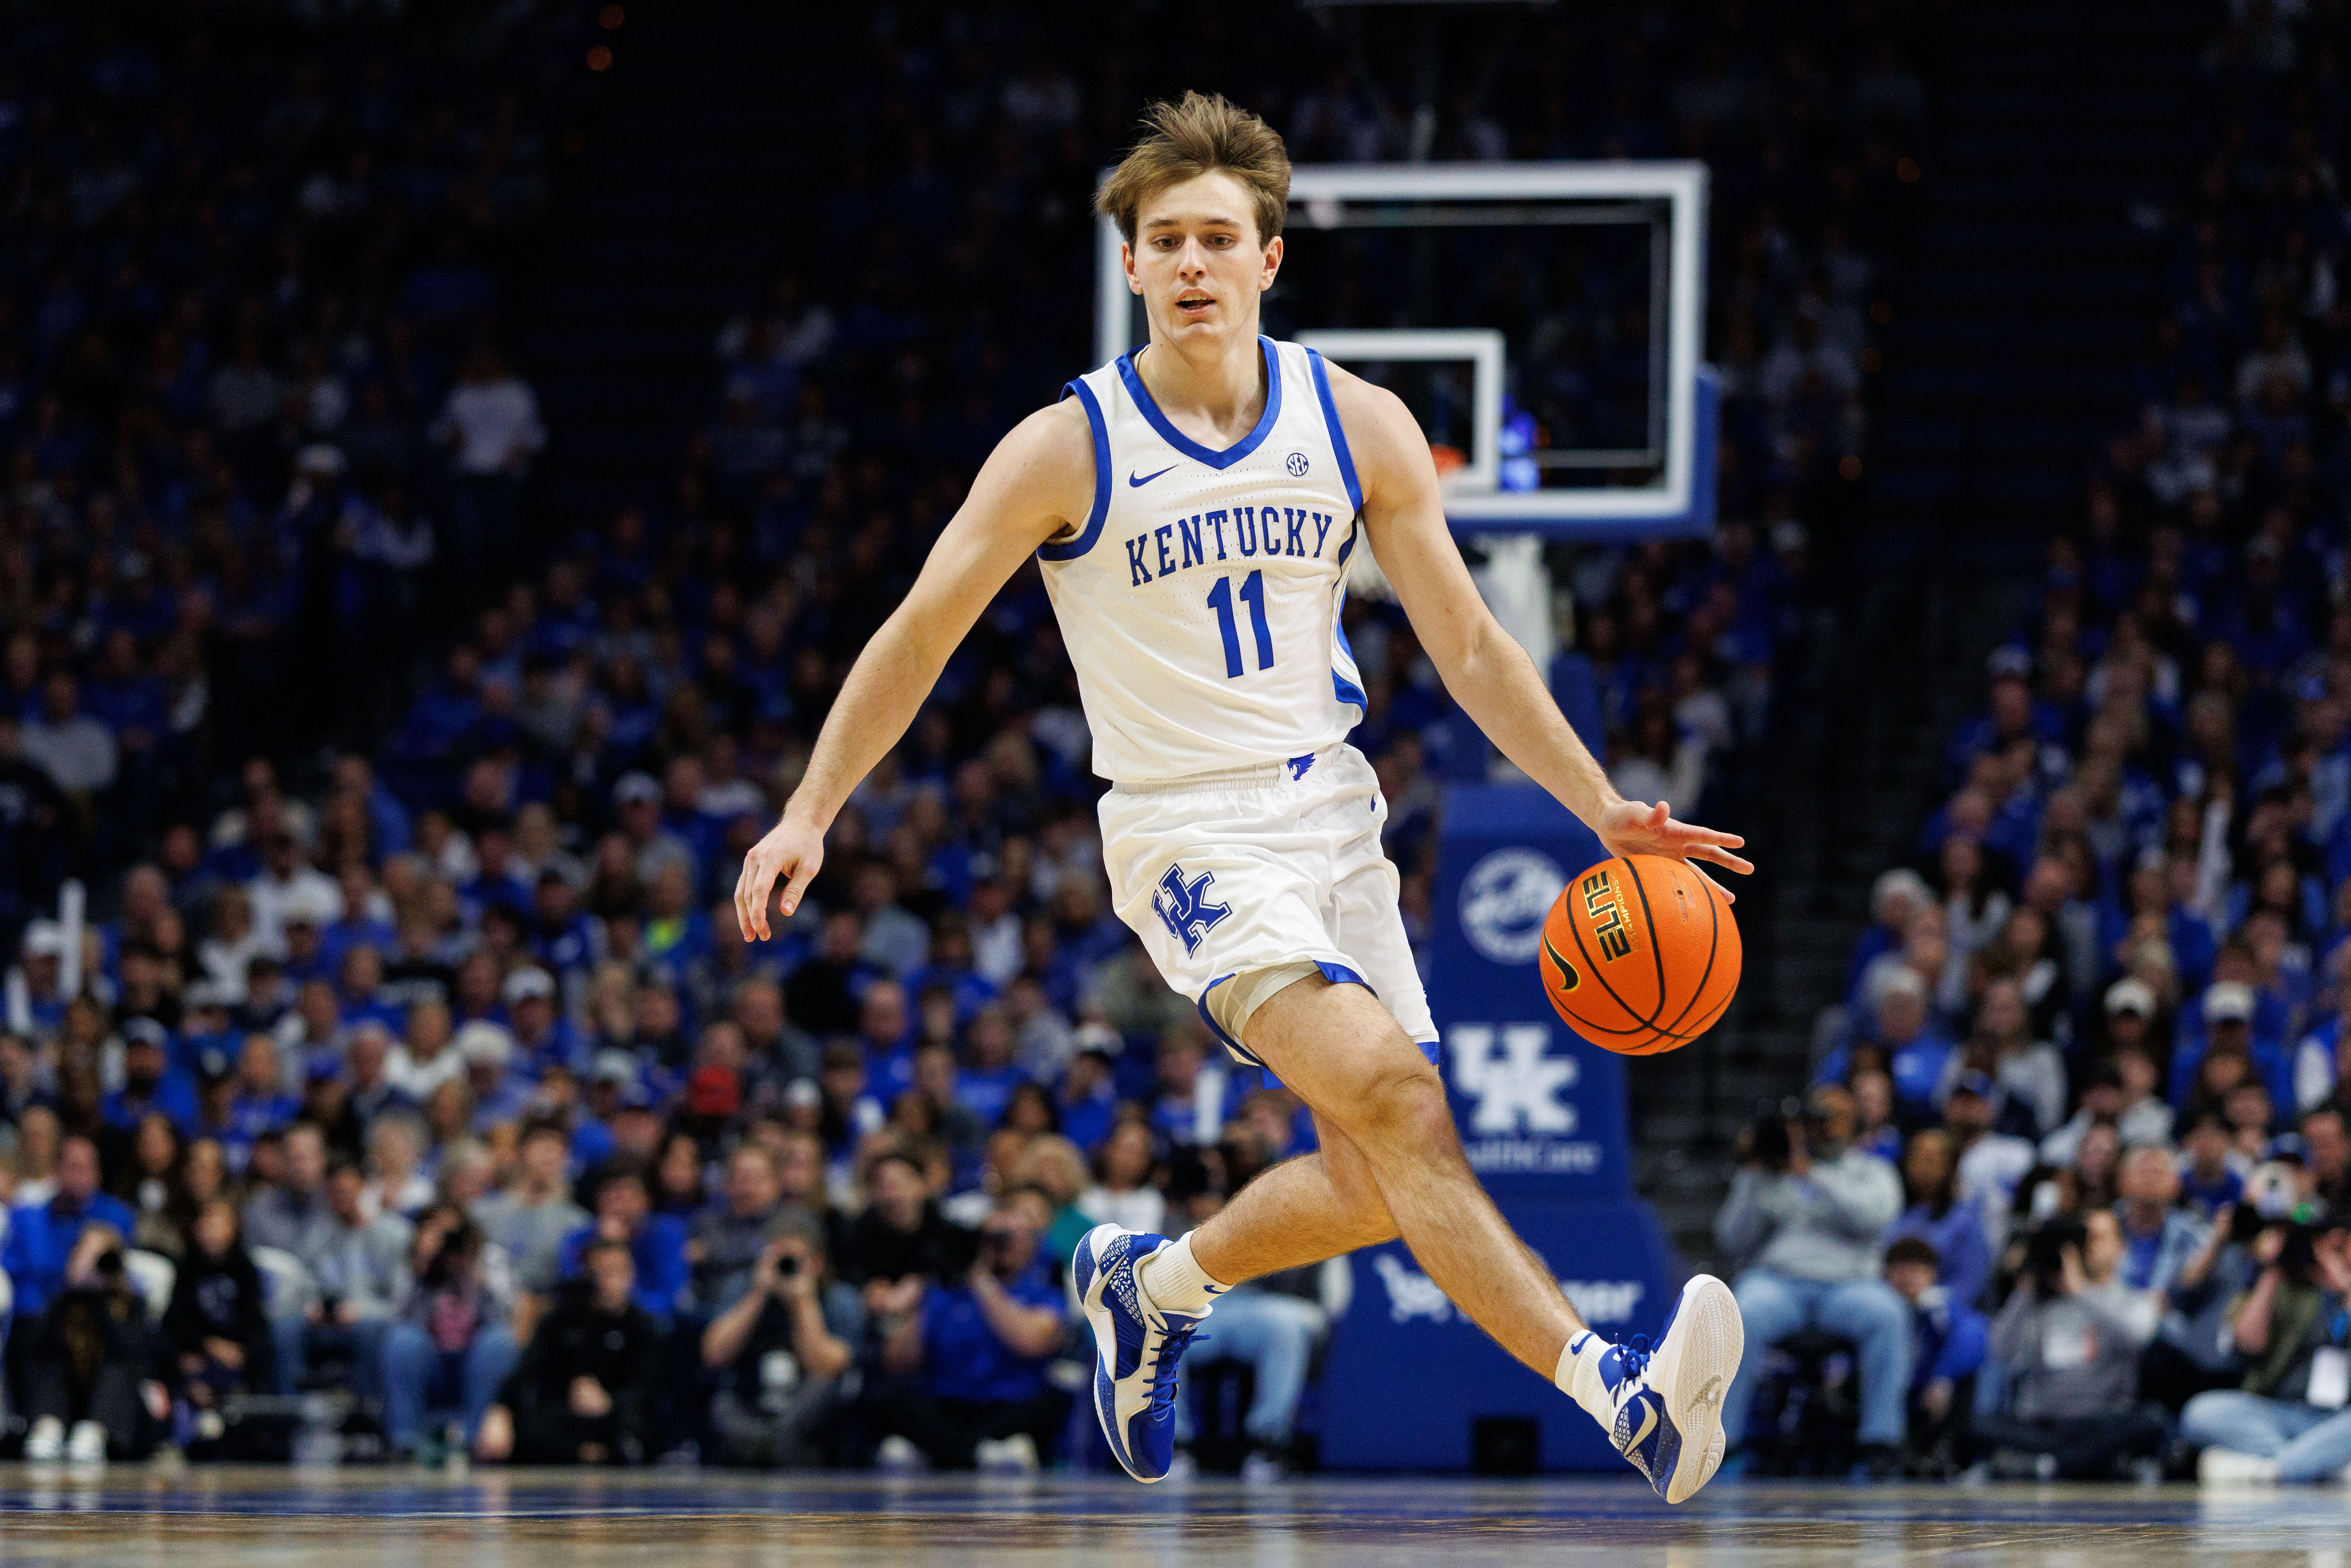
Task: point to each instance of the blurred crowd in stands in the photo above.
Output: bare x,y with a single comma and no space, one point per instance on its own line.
2071,1189
402,1084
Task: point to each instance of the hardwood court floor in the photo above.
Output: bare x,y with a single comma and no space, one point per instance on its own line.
256,1519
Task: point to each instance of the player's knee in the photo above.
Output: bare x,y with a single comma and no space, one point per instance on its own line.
1399,1103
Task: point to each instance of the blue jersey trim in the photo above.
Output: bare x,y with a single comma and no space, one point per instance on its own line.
1338,433
1340,975
1349,692
1228,1041
1193,449
1085,539
1337,973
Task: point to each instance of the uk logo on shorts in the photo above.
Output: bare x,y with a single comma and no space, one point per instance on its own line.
1183,908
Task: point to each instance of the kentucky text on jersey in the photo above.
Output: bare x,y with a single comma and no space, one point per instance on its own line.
1283,532
1242,659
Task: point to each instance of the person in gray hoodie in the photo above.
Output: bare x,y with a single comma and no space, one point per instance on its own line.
1803,1224
359,1267
2069,1341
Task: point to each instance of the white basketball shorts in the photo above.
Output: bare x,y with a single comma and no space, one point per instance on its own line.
1226,874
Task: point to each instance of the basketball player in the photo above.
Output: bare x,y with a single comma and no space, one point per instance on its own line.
1194,506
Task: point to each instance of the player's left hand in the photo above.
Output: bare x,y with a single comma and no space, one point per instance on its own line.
1632,827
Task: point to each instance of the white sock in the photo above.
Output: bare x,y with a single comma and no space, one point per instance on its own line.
1579,1376
1175,1283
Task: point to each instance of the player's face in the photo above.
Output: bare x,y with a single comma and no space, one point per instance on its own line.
1197,263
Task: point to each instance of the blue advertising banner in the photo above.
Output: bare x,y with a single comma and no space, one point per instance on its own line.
1410,1378
1543,1119
1542,1112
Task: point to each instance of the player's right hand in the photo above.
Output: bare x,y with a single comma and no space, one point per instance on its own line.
791,851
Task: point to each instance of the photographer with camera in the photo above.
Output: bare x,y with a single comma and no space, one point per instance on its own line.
2291,1420
1804,1220
2195,1349
451,1348
89,1392
968,1364
784,1353
2068,1341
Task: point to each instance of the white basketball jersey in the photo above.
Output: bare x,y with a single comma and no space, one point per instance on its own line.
1200,602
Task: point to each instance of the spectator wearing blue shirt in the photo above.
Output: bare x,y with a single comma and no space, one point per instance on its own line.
950,969
1894,898
360,994
149,1084
1874,1132
501,1094
1193,1092
215,1116
1948,1339
304,942
2232,1023
1915,1053
543,1037
367,1059
2322,1062
1937,1216
1087,1099
41,1236
561,935
2208,1183
2158,1238
261,1103
624,1212
885,1028
495,882
356,928
984,1084
970,1360
389,829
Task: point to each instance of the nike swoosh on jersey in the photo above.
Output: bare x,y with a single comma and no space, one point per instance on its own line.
1138,484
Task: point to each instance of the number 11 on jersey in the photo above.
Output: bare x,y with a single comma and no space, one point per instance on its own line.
1220,599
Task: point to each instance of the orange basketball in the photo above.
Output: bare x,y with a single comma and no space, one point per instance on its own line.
1640,954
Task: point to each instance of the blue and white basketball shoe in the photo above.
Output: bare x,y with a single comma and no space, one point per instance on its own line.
1136,1348
1669,1399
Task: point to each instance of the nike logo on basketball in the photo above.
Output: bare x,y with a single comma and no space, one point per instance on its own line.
1138,484
1569,978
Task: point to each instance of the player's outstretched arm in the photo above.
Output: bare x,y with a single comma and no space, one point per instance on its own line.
1038,482
1484,667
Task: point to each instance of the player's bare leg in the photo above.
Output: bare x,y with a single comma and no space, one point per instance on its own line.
1338,1050
1383,1113
1302,1210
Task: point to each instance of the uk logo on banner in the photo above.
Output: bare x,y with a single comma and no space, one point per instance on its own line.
1517,1088
1522,1115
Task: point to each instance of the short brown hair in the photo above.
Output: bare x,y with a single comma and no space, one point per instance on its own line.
1196,136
